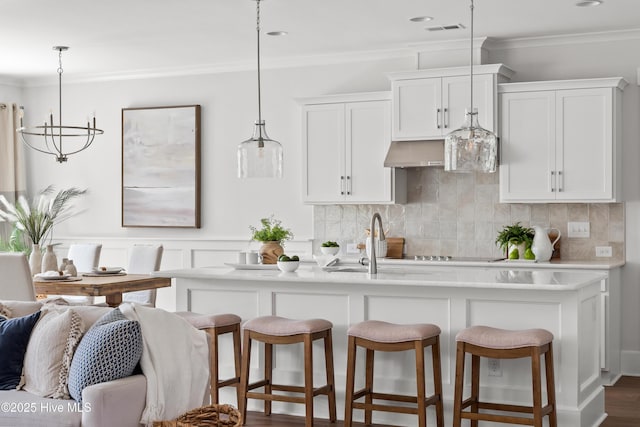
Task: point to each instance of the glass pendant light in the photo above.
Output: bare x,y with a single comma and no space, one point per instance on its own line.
259,156
471,148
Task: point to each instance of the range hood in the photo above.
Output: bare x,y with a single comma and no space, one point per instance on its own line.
406,154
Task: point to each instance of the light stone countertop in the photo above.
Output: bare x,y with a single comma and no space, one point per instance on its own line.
402,275
604,264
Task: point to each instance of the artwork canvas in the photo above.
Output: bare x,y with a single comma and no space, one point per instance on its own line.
161,167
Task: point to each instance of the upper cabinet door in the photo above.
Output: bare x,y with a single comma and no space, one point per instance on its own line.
456,99
584,147
417,109
368,127
527,146
323,176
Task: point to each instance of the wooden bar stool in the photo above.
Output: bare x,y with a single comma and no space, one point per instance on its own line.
214,326
483,341
278,330
382,336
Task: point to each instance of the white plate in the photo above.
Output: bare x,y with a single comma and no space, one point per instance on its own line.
108,270
252,266
44,277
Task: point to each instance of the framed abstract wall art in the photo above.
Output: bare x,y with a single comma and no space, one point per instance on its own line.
161,167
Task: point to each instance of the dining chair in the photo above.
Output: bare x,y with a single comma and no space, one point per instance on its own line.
85,257
143,259
16,283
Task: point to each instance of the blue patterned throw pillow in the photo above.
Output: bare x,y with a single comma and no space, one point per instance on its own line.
110,350
14,338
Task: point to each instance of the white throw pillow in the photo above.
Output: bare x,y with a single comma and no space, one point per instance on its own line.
50,352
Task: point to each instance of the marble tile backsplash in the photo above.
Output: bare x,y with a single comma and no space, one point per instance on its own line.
460,215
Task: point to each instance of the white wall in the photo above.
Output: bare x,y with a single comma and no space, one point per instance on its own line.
230,205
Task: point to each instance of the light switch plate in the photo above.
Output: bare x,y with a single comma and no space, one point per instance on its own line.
578,229
604,251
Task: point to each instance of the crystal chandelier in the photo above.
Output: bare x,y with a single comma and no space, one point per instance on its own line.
54,135
471,148
259,156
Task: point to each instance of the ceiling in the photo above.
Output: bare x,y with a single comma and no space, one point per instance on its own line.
136,36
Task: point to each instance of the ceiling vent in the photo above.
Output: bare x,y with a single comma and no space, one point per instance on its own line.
446,27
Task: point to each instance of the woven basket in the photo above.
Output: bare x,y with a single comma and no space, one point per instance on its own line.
206,416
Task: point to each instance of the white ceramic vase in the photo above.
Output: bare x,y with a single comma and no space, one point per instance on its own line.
49,260
35,259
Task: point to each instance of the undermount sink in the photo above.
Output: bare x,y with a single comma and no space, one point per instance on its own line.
347,269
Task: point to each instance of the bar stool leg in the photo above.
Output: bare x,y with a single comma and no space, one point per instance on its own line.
351,372
213,364
475,386
268,374
457,400
328,359
308,380
368,399
537,388
244,376
437,380
420,384
237,362
551,386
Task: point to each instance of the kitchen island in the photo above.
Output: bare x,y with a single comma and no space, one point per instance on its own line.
567,303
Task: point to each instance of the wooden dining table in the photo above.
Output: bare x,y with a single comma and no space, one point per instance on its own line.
110,286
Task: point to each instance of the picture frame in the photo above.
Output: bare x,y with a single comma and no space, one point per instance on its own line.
161,166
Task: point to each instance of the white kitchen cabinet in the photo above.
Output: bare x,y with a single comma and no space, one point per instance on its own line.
428,104
345,141
560,141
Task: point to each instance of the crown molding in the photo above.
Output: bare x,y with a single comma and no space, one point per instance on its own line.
332,58
230,67
563,39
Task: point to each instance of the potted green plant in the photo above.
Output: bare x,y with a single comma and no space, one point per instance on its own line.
272,235
35,220
515,240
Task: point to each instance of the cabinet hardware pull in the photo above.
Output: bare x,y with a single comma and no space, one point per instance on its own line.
561,184
438,118
348,185
446,118
553,173
342,185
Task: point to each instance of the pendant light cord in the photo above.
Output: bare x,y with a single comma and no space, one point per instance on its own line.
258,38
471,57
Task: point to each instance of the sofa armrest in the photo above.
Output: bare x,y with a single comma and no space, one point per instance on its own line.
115,403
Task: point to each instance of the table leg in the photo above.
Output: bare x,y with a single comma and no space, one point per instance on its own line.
114,300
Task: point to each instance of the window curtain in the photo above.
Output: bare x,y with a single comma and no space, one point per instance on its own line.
12,161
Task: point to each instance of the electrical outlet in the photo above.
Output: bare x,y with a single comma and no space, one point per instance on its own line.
604,251
578,229
352,248
495,368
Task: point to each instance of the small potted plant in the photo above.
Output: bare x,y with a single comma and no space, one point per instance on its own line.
272,235
515,240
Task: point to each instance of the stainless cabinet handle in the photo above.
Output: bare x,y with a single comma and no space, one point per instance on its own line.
348,185
553,178
438,118
561,183
446,118
342,185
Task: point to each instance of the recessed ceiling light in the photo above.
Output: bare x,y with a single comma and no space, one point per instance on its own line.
277,33
589,3
421,19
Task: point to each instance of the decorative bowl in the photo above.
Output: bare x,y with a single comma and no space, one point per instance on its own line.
288,266
329,250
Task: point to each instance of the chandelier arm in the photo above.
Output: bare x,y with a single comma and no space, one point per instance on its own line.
88,142
51,135
33,147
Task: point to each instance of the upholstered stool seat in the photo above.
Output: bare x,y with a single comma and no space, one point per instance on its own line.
485,341
375,335
215,325
279,330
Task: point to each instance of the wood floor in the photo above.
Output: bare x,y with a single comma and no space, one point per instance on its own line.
622,402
